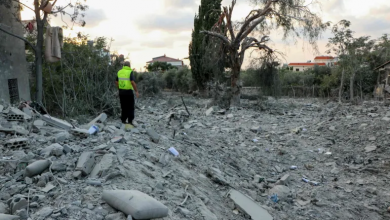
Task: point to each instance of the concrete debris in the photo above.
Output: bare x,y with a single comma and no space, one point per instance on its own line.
99,119
135,203
56,122
81,133
342,147
37,167
153,135
85,163
16,143
9,217
248,206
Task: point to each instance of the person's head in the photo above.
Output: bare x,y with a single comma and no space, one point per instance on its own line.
126,63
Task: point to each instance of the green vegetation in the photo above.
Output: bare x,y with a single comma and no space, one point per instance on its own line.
205,52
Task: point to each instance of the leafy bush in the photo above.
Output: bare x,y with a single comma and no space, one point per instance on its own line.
183,81
151,83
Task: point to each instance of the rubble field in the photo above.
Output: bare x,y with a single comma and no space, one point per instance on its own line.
282,159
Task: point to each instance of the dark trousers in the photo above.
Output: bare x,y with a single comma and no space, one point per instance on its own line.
127,106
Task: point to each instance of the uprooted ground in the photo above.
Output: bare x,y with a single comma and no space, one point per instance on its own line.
344,150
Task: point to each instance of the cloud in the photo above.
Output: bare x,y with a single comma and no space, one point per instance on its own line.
180,3
93,17
157,44
171,21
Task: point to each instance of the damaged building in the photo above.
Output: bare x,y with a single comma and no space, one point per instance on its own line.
14,77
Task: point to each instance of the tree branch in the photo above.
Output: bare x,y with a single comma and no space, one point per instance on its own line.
220,36
243,33
24,5
21,38
62,9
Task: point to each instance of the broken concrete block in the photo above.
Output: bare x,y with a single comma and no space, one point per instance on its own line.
78,132
1,108
248,206
16,111
105,163
153,135
99,119
37,167
54,149
119,139
57,122
39,123
85,163
58,166
12,117
61,137
216,176
17,204
283,180
17,142
135,203
9,217
209,111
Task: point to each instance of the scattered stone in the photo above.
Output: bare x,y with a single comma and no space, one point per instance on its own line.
370,148
85,163
45,212
102,167
119,139
209,111
281,191
48,188
62,137
248,206
115,216
16,143
17,204
9,217
153,135
230,116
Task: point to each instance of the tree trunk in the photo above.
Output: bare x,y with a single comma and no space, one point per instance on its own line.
341,86
351,86
235,87
39,47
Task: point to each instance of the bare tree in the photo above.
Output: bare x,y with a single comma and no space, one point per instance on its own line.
292,16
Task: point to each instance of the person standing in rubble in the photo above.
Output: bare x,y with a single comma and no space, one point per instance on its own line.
127,86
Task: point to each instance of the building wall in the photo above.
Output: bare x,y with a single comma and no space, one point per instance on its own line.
13,64
176,63
301,68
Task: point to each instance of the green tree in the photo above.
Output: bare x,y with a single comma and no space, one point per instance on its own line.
338,45
160,66
204,52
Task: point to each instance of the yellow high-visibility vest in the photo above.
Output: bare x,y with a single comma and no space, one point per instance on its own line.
124,78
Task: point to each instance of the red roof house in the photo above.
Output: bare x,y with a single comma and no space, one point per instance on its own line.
165,59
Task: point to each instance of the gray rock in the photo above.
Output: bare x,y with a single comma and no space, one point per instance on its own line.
282,191
248,206
45,212
85,163
3,208
58,166
153,135
184,211
100,211
62,137
116,216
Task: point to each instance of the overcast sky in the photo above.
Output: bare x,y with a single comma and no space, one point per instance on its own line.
143,29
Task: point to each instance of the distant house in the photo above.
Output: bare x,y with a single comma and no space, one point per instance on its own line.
164,59
319,61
